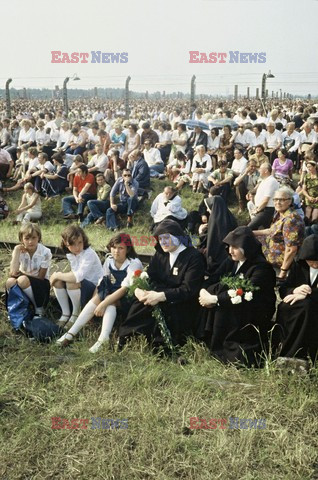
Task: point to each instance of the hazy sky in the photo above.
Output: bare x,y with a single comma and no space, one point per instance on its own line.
158,36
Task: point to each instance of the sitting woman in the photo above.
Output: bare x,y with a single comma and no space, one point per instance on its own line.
30,208
285,235
119,266
79,284
30,266
297,313
176,273
238,324
282,168
310,191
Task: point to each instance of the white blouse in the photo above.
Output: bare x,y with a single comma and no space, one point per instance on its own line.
40,259
133,265
86,265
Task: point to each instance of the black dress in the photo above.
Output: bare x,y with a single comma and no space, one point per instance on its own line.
239,331
181,285
298,323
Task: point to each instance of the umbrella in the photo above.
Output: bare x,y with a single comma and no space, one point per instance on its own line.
221,122
195,123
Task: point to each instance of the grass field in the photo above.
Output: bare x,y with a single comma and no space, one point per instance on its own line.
156,395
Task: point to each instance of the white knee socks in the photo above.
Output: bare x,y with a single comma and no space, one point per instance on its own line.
85,315
109,318
75,296
29,293
62,298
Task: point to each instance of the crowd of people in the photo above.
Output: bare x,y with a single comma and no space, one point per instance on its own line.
100,165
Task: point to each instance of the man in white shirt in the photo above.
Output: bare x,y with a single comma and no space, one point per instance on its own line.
239,163
153,159
273,140
264,198
99,162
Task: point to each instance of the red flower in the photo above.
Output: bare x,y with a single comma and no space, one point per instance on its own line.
137,273
239,292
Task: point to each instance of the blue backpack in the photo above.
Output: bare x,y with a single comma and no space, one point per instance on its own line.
19,307
42,329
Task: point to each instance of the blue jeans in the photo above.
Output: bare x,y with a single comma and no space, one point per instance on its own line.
155,170
129,207
68,203
97,209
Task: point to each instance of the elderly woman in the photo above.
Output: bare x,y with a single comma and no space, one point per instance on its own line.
176,273
238,319
310,191
285,235
297,313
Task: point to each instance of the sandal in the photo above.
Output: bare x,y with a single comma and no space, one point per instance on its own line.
64,341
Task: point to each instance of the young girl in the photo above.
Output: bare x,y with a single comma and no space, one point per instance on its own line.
30,265
30,207
79,284
118,268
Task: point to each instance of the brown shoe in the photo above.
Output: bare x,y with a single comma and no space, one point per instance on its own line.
100,220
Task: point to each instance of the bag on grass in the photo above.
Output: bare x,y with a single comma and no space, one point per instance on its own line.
42,329
19,307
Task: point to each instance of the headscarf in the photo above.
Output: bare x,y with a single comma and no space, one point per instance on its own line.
174,229
309,248
243,237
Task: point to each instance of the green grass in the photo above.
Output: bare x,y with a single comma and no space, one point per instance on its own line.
156,395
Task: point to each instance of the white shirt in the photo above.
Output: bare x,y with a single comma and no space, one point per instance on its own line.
64,138
267,188
41,137
213,144
260,140
294,136
133,265
239,166
99,161
174,255
310,138
273,140
159,210
152,156
28,136
86,265
46,166
40,259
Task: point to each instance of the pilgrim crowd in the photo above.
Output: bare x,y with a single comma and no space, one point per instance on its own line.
238,285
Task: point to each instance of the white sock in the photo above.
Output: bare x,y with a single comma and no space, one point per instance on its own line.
62,298
75,296
84,317
109,318
29,293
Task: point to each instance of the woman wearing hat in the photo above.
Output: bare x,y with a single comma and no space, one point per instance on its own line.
175,272
310,191
297,313
239,326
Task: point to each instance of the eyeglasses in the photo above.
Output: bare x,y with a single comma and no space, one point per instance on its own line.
281,199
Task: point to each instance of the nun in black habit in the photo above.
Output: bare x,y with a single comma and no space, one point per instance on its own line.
297,314
176,272
221,222
239,331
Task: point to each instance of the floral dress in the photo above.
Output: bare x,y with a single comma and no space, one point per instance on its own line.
311,185
287,230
